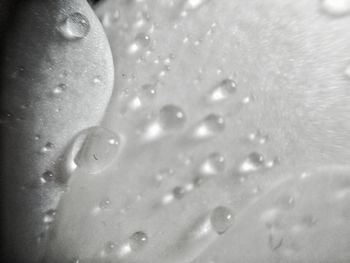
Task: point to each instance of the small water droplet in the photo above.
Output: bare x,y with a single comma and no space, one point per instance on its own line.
105,203
252,163
336,7
271,217
222,90
221,219
198,181
59,89
135,103
309,220
138,240
47,176
97,80
258,137
286,202
275,239
210,126
75,26
143,39
247,99
110,18
214,164
171,117
179,192
48,147
163,174
149,90
49,216
109,248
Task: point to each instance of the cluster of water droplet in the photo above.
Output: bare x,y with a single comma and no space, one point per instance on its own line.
95,149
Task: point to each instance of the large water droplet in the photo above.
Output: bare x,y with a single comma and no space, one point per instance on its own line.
336,7
75,26
171,117
138,240
221,219
210,126
214,164
93,150
222,90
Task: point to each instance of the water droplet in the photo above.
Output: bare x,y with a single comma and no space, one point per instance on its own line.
275,239
272,163
97,80
143,39
49,216
214,164
252,163
135,103
163,174
179,192
258,137
336,7
149,90
104,204
109,247
109,18
59,89
138,240
309,220
247,99
271,217
171,117
93,150
75,26
221,219
47,148
286,202
47,176
210,126
198,181
222,90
